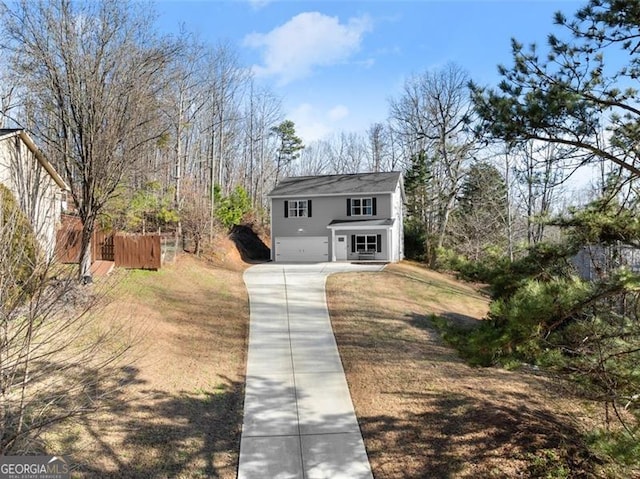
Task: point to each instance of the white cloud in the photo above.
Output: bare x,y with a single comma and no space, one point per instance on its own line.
308,40
338,113
315,124
309,125
258,4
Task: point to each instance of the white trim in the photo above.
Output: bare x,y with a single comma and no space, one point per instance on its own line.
273,238
333,245
24,136
360,227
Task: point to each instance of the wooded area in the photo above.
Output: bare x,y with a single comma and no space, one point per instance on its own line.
156,133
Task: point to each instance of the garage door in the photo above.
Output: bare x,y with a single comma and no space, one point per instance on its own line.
298,249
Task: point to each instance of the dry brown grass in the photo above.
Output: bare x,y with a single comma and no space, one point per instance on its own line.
179,412
425,413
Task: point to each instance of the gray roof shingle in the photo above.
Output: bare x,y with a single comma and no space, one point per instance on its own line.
359,183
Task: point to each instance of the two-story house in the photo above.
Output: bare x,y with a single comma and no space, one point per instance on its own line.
338,218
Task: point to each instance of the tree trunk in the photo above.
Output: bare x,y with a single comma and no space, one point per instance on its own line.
84,272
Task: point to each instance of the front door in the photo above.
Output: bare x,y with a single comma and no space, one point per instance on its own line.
341,248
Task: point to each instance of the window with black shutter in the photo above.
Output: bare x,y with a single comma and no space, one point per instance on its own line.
297,209
366,244
361,206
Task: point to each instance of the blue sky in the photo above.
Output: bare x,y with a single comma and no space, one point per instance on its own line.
335,64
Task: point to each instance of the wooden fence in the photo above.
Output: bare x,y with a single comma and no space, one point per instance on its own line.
126,251
137,251
68,240
102,246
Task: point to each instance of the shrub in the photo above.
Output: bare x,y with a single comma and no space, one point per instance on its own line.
230,210
548,464
589,331
477,346
617,446
492,264
535,310
18,248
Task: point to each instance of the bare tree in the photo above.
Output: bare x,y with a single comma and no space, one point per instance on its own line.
377,147
540,173
227,79
346,153
183,101
263,111
195,214
94,72
55,360
314,159
432,116
479,221
7,95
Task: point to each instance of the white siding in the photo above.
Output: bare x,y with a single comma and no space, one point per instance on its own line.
36,192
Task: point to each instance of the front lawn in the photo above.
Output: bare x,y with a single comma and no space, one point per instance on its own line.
178,413
425,413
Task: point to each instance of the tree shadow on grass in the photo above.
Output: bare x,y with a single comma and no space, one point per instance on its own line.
457,320
488,426
458,430
446,419
161,435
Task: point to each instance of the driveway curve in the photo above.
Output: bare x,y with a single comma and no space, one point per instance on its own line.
299,420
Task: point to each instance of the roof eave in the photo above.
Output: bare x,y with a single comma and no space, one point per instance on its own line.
43,161
317,195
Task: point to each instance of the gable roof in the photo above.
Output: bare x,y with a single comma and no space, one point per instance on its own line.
6,133
330,185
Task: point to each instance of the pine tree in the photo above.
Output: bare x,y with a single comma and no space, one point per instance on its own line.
289,145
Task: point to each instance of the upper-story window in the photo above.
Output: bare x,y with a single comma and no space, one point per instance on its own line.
361,207
297,209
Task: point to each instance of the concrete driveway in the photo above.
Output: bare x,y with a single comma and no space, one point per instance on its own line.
298,415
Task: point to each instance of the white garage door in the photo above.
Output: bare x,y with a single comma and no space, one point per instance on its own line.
306,248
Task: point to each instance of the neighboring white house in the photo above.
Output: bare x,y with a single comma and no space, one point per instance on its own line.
338,218
596,262
37,187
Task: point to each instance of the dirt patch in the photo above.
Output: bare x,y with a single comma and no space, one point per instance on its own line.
424,412
179,412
